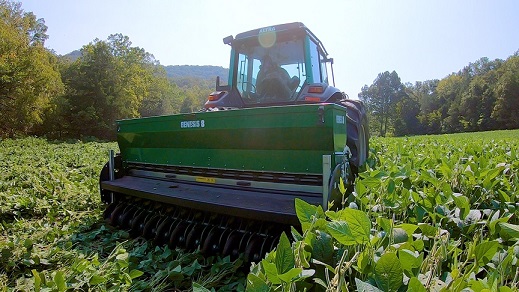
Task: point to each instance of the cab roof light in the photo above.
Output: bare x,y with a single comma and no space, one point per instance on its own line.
312,98
315,89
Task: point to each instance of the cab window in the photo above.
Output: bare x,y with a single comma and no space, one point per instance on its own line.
324,72
315,62
272,74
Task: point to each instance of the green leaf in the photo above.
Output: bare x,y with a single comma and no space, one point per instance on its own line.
295,234
371,182
291,274
420,212
365,287
485,251
479,285
28,244
363,261
360,189
409,228
410,261
199,288
37,280
256,284
191,269
508,231
96,280
284,255
388,272
415,285
307,213
322,247
489,177
341,232
391,187
271,272
446,188
428,230
385,223
495,221
135,274
358,222
418,245
342,189
463,203
59,279
399,235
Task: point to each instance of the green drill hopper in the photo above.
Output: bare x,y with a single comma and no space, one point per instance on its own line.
224,179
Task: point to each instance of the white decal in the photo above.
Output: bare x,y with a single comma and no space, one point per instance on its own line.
267,29
192,124
339,119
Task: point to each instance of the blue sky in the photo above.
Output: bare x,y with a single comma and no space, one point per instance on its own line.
420,40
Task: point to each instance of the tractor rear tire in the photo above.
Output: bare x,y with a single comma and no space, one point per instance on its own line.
358,133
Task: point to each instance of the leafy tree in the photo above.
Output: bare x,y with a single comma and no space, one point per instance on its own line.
382,97
112,80
29,79
406,115
506,109
448,92
477,94
164,97
194,99
429,116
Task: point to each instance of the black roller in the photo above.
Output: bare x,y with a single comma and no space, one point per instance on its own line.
193,236
127,216
253,250
163,232
150,226
177,237
138,224
118,211
107,214
211,244
183,228
232,246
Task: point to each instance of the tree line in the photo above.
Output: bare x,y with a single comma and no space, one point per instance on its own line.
482,96
42,93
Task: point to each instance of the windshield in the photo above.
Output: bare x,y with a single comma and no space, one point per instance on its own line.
270,74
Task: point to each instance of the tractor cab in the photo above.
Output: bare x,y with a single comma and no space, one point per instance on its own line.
282,64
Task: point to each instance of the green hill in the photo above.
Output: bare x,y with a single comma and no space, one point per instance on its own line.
179,72
201,72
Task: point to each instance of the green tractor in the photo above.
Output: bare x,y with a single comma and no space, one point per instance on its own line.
224,179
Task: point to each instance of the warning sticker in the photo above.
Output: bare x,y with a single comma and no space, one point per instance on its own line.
208,180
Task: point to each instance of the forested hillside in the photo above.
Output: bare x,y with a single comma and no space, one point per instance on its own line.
200,72
183,73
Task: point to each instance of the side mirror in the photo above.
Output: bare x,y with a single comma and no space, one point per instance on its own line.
228,40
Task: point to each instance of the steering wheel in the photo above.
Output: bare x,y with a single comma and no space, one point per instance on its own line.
276,91
247,82
251,96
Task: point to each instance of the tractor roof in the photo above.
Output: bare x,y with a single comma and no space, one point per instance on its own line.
294,28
